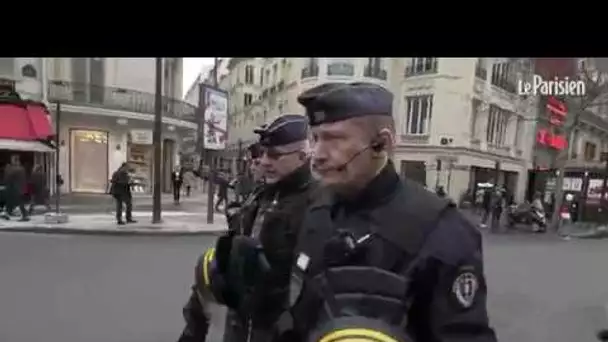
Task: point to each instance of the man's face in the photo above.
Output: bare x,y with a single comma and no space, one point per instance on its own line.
256,169
334,144
277,162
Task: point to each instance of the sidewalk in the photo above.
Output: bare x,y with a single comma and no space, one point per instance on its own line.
174,223
584,230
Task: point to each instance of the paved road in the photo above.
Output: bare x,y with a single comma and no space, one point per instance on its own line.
131,289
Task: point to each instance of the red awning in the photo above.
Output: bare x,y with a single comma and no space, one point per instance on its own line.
40,120
24,122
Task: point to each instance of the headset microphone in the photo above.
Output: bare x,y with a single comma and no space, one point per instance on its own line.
342,167
376,146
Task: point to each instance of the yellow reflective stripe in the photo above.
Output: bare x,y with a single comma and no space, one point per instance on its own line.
209,254
357,335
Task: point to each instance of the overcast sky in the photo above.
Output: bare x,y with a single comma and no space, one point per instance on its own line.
192,67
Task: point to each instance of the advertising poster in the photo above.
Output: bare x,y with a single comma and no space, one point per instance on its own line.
213,123
594,191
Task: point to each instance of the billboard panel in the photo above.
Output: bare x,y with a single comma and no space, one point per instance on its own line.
213,118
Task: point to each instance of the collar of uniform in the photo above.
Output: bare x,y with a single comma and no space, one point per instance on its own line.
294,181
381,187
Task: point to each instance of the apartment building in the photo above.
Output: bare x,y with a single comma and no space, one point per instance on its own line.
106,116
457,119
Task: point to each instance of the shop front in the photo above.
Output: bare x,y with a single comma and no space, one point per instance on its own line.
89,160
92,147
25,130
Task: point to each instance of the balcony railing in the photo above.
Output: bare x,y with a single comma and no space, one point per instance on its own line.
372,72
504,84
90,95
310,71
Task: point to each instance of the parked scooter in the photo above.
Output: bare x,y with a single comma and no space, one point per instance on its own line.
525,214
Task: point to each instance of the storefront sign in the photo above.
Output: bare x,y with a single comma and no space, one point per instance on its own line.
141,136
546,138
557,111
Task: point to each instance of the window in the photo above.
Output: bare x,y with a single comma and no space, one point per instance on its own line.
340,67
29,71
420,66
496,132
311,68
519,133
418,114
249,74
248,99
480,69
502,76
275,73
590,151
475,109
575,147
374,68
261,77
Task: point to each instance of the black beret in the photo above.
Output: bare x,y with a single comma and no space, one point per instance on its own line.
255,150
331,102
285,129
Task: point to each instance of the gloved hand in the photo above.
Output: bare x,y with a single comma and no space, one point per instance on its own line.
247,260
246,272
232,209
223,248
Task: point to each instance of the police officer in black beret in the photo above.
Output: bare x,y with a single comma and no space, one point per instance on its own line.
378,258
249,269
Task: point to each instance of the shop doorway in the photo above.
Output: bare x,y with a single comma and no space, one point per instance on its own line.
88,161
414,170
140,158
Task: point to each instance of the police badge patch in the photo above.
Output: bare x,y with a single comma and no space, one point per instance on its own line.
465,289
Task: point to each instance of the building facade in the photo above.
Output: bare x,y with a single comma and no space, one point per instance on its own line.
107,108
458,120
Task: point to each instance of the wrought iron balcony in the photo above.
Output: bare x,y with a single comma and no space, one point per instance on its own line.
82,94
374,72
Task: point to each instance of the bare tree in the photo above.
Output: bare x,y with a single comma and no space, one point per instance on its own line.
593,73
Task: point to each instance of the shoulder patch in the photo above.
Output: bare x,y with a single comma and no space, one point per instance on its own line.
464,288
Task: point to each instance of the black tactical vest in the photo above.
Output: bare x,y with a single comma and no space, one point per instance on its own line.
393,232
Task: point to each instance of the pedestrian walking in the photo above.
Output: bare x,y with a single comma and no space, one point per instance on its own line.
497,205
222,182
121,191
16,183
39,190
189,181
177,179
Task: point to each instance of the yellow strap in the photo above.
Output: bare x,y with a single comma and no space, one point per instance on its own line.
357,335
209,254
